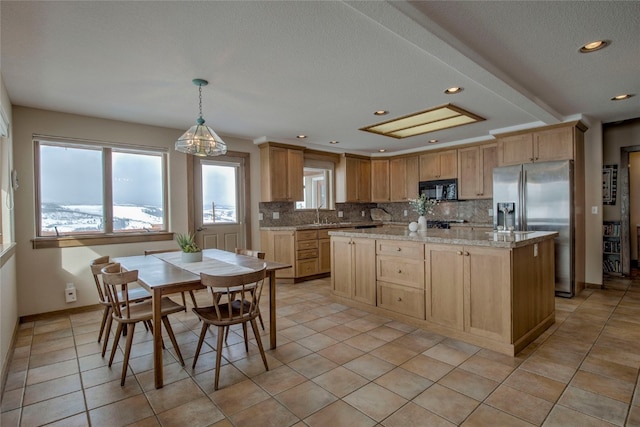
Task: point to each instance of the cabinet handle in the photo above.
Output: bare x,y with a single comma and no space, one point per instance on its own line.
399,299
466,253
399,249
531,159
459,252
399,271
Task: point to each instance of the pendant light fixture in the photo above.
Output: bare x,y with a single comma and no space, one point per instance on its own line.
201,140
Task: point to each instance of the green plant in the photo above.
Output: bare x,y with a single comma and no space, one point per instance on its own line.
187,243
422,205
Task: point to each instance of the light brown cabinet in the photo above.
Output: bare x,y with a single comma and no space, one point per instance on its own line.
353,272
403,178
353,179
548,144
380,180
475,171
306,253
439,165
282,173
324,251
280,246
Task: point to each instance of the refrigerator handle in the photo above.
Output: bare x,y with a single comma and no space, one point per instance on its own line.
523,201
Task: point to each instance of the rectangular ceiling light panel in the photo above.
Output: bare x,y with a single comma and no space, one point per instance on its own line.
444,117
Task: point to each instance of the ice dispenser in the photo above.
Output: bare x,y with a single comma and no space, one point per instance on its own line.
506,215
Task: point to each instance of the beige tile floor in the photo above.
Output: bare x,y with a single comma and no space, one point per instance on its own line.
338,366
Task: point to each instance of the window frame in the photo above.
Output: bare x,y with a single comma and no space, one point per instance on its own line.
108,235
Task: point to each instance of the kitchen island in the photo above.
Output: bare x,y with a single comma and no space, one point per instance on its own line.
495,290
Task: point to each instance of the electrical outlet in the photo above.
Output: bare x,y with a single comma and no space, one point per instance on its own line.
70,293
276,215
405,213
490,212
594,210
260,216
362,213
340,214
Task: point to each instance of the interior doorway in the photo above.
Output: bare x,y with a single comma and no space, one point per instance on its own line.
221,194
629,184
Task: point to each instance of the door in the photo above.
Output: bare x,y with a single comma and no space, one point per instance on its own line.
220,197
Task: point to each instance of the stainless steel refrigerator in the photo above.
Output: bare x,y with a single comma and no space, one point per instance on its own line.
539,197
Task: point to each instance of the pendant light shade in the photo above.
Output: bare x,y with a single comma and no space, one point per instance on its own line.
200,139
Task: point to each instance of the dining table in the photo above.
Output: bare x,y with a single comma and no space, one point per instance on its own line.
165,273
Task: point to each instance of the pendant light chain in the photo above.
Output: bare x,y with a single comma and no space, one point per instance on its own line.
200,98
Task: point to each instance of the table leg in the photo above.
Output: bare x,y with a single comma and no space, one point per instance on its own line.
272,309
157,336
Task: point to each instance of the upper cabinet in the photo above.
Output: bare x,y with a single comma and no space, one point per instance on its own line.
403,178
439,165
554,143
380,180
282,173
475,171
353,179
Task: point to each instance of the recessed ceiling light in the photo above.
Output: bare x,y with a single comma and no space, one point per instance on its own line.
301,136
622,97
381,113
382,150
453,90
334,142
593,46
443,117
431,141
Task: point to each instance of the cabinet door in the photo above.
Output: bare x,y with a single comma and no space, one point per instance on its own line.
489,156
364,180
429,166
444,285
469,176
324,255
516,149
398,180
380,178
284,250
364,270
278,173
295,172
553,144
487,292
448,164
341,266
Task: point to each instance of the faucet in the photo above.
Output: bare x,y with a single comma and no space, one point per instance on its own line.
318,214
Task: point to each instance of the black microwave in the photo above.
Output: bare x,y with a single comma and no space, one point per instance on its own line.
443,189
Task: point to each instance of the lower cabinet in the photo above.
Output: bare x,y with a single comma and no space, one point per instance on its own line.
353,269
280,246
468,288
306,253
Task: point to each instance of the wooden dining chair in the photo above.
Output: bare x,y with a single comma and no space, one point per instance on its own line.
259,255
184,300
227,312
125,312
136,294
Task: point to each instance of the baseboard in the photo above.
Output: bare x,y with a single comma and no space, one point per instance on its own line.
53,314
9,359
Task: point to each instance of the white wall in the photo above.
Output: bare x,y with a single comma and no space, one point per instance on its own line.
8,287
43,273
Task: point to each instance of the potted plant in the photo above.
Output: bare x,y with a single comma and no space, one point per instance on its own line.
422,206
190,250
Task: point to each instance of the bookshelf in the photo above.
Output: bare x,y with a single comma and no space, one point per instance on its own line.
611,250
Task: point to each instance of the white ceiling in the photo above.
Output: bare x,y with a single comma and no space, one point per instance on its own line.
278,69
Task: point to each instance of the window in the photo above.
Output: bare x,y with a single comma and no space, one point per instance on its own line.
219,193
318,185
97,188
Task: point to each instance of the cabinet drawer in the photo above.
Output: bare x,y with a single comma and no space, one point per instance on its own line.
307,253
402,271
307,244
306,235
401,299
400,249
306,267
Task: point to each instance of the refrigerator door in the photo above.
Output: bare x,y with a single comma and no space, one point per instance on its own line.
507,182
548,195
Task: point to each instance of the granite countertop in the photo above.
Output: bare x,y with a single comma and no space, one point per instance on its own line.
453,236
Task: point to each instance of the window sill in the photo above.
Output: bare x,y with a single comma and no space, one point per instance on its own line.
102,239
6,251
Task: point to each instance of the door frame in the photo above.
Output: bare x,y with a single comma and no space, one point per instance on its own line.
625,208
191,165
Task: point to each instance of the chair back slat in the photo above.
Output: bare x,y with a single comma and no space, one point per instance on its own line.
250,252
113,277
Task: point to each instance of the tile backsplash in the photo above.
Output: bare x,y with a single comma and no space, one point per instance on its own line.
474,211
